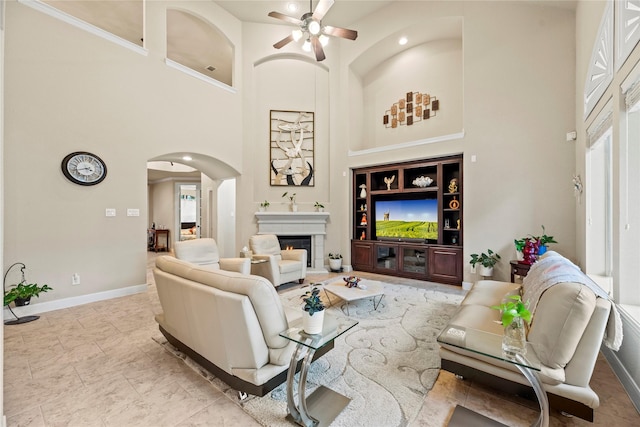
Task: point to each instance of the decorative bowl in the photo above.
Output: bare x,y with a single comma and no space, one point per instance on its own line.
422,181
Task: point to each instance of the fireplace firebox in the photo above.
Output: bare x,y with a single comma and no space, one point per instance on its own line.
297,242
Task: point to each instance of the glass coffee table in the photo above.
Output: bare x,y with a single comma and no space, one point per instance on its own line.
490,345
373,289
323,405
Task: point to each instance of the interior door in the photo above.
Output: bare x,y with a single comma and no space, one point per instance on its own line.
189,214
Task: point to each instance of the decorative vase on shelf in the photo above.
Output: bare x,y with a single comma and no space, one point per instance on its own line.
363,191
514,340
313,324
294,208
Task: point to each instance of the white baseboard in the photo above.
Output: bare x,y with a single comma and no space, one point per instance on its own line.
72,301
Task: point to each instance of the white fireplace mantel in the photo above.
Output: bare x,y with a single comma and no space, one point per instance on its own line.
312,224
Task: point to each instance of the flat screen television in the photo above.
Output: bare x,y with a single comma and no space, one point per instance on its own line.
406,219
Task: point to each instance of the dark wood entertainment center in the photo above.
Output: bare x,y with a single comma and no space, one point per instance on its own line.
434,259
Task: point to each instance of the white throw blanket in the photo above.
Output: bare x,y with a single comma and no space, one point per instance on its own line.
553,269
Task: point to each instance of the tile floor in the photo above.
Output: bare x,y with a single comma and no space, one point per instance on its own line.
96,365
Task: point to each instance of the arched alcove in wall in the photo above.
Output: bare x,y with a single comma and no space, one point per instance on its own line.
198,44
290,84
387,77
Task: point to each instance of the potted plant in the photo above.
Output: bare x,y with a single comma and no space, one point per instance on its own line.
319,206
486,260
335,261
514,314
264,205
292,199
314,308
21,293
543,241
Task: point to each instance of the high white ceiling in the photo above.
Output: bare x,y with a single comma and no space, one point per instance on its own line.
342,14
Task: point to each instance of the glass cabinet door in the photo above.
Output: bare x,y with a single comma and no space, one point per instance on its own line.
414,260
386,257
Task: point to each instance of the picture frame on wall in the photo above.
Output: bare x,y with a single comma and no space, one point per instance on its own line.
291,147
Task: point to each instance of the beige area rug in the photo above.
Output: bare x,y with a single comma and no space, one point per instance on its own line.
385,365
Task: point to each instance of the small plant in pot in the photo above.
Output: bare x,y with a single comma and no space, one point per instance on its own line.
486,261
319,206
514,314
264,205
335,261
314,307
21,293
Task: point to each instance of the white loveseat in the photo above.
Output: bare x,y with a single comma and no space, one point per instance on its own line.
227,322
567,329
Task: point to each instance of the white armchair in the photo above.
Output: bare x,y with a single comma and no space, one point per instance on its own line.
278,266
204,252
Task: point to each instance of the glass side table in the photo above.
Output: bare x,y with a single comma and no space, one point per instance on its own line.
323,405
490,345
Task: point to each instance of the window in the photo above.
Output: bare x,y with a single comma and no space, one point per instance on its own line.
599,192
629,223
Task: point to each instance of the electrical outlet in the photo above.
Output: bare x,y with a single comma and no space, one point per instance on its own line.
75,279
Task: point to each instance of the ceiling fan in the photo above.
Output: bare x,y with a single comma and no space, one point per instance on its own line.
311,29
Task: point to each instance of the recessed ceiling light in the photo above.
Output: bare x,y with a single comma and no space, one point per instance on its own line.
187,158
402,41
292,7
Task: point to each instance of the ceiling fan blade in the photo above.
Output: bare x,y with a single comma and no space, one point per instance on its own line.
340,32
285,18
321,9
283,42
317,48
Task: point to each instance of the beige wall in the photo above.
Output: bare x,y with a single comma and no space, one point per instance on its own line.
519,71
70,90
517,109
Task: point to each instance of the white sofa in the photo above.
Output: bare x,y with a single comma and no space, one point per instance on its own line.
227,322
567,329
204,252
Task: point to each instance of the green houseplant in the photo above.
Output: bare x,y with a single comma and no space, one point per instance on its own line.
21,293
319,206
543,242
514,314
486,260
264,205
314,308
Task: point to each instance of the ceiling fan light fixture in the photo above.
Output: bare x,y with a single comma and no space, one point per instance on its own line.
324,40
296,34
306,46
314,28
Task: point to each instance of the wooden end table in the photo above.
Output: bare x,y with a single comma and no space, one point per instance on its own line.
518,268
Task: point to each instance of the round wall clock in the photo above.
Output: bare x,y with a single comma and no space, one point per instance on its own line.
84,168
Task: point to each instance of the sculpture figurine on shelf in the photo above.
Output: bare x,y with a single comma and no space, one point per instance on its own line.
458,223
530,251
363,191
351,281
453,185
363,236
363,221
389,181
